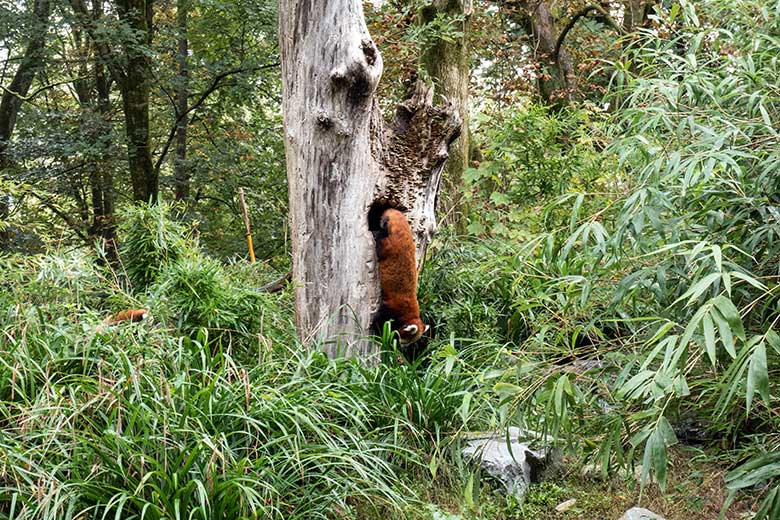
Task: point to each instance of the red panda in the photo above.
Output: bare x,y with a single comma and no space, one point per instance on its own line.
398,276
131,315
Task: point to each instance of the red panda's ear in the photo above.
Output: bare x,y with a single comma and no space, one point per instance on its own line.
411,329
427,328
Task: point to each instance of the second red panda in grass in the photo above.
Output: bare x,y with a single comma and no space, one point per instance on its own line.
125,316
131,315
398,276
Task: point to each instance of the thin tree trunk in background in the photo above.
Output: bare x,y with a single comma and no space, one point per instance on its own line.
635,13
136,87
93,90
104,223
181,176
133,73
11,100
557,80
447,62
341,160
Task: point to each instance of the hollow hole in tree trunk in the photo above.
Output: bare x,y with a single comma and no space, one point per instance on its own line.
375,214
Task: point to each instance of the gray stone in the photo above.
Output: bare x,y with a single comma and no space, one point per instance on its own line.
515,465
640,513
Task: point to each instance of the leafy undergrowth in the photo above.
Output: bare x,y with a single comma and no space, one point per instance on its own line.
213,409
209,409
695,491
631,308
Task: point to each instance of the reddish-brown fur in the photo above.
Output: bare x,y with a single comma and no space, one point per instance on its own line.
131,315
398,275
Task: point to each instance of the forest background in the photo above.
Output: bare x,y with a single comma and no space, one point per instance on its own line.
604,274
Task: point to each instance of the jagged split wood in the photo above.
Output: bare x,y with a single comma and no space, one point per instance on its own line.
342,160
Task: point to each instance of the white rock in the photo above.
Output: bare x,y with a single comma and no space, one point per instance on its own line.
568,504
514,464
640,513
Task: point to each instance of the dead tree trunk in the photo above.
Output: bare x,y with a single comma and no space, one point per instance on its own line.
342,161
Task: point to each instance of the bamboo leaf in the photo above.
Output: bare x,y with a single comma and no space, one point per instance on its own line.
709,337
698,288
718,257
730,312
770,507
693,324
506,389
749,279
643,378
758,376
726,277
757,470
465,407
726,334
773,339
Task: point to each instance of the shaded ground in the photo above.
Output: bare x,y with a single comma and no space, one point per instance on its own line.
694,491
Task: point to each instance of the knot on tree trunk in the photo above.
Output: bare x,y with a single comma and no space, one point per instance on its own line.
359,74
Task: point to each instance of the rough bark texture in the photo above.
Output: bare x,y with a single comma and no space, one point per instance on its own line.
412,163
635,13
341,160
136,86
13,94
447,62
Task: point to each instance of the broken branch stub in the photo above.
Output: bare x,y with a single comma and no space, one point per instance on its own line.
414,154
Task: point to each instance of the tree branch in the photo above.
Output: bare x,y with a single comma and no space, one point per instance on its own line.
72,224
276,285
40,89
585,11
215,84
102,47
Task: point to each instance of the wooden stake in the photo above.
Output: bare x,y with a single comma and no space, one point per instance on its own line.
246,223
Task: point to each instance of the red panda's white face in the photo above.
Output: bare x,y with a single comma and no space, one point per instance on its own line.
412,332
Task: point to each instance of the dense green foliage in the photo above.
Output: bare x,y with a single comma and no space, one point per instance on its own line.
212,409
615,291
67,137
651,303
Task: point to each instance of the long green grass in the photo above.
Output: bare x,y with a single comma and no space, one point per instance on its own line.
210,409
135,422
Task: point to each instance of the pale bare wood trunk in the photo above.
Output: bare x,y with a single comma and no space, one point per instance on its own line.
341,160
330,69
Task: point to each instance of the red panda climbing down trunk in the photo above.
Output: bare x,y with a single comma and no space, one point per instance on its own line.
398,277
